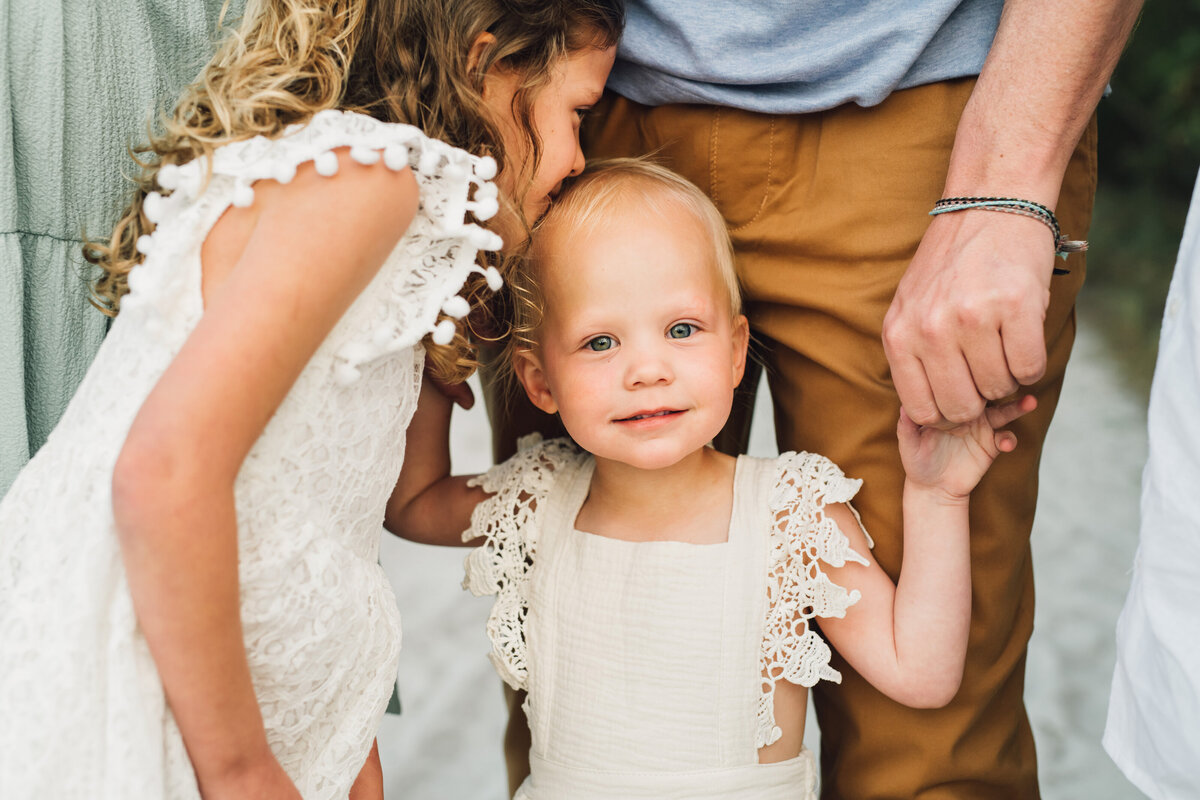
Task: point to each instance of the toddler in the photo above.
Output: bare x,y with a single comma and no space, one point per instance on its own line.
655,597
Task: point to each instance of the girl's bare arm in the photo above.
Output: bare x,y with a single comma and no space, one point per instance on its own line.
314,245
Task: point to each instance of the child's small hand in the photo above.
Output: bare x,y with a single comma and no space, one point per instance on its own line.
457,393
953,460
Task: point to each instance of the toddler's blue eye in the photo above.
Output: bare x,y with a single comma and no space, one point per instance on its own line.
600,344
681,330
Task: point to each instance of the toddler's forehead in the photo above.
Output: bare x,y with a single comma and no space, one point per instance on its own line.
562,239
570,257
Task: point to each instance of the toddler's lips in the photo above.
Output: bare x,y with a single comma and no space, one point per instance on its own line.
656,415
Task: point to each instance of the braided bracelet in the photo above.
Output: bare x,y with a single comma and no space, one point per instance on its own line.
1012,205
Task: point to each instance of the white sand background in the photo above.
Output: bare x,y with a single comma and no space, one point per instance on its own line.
447,744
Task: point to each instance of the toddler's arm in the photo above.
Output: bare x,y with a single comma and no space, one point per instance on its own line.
312,246
910,639
429,505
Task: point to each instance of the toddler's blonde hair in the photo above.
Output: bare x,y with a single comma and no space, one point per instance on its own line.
602,188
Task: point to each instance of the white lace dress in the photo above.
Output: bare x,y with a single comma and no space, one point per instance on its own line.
82,712
651,667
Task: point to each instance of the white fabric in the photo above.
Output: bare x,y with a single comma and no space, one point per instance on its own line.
83,712
1153,728
650,666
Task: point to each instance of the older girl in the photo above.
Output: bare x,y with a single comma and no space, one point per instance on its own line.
189,598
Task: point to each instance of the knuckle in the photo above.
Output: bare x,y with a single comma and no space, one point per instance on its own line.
1029,370
924,414
959,416
895,334
1014,300
973,314
895,349
999,389
1029,375
964,412
933,326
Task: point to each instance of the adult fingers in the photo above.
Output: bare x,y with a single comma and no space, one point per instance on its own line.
953,387
1024,347
916,397
989,366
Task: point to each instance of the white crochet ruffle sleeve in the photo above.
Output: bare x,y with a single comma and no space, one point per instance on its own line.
82,711
651,666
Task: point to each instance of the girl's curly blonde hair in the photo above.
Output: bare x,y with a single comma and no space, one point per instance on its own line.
399,61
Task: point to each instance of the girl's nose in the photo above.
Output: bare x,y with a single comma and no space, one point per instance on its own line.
578,164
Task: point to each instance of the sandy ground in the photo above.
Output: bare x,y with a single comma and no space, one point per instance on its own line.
447,743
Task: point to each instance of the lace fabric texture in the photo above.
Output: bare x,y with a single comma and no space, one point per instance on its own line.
797,588
509,520
84,715
576,594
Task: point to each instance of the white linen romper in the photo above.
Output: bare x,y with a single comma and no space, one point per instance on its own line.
82,709
651,666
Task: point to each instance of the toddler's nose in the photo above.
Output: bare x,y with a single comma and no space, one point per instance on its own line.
648,368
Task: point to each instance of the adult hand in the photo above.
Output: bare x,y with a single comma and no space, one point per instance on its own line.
966,323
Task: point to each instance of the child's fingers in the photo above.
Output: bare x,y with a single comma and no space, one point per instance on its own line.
1000,416
459,393
1006,441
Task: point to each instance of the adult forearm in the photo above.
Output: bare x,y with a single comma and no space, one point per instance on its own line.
966,321
179,545
933,596
1043,77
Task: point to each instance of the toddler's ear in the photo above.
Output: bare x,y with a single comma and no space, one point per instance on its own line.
531,375
741,342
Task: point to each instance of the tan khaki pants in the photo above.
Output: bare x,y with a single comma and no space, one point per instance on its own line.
826,211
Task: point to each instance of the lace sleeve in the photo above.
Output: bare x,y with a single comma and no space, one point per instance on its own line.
509,521
801,538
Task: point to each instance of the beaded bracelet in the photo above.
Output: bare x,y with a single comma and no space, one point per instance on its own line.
1012,205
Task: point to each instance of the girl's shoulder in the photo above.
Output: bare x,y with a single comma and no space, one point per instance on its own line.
444,173
437,250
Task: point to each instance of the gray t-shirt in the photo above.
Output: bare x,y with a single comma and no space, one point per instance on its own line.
796,56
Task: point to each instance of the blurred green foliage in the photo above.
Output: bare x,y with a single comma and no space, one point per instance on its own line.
1150,134
1149,153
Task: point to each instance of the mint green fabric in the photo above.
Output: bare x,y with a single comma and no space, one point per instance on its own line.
79,81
